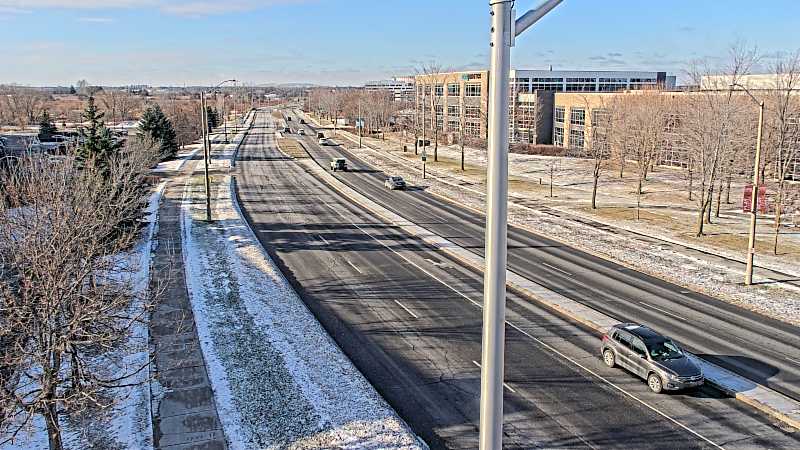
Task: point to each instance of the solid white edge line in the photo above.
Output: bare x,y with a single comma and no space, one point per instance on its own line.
543,344
407,310
556,268
663,311
504,383
353,265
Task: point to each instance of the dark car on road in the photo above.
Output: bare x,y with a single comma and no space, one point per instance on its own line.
338,164
395,182
651,356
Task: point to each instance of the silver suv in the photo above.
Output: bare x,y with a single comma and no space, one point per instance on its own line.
654,357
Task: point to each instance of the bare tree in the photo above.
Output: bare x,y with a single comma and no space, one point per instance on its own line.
435,81
23,105
783,128
639,131
716,125
599,146
65,295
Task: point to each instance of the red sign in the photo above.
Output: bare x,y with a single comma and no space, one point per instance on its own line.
747,199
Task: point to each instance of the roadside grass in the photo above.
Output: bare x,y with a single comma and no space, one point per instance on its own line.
716,235
292,148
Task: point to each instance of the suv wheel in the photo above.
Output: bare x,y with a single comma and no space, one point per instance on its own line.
609,359
655,384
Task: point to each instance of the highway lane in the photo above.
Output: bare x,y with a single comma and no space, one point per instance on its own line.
409,319
757,347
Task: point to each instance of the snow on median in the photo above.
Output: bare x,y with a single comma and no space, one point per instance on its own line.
279,380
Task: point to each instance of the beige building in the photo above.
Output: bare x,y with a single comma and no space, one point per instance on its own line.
455,98
580,118
449,100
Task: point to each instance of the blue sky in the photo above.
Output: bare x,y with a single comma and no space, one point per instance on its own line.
176,42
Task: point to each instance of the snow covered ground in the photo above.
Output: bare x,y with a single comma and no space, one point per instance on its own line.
128,424
778,301
177,163
279,380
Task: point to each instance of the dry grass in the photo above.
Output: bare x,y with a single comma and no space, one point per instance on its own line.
292,148
716,235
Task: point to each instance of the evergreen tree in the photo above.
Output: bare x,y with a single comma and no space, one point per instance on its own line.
46,127
156,126
213,117
98,143
72,90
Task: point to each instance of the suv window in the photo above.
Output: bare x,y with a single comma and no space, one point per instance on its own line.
638,347
622,338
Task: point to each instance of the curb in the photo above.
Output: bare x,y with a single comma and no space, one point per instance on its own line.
760,397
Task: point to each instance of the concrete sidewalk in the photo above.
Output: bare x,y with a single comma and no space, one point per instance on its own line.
186,415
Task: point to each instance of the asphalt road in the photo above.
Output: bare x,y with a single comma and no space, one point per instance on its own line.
759,348
409,318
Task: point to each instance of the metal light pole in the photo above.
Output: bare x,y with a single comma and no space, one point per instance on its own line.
751,242
504,30
206,153
359,124
225,119
207,145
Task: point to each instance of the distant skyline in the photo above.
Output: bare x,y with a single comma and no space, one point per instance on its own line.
333,42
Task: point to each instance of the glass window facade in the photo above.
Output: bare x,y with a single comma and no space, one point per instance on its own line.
558,136
577,116
558,114
454,90
472,90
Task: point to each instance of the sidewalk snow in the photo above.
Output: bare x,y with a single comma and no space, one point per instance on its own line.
176,164
279,380
128,424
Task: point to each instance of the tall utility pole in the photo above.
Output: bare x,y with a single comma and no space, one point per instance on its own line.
207,144
751,242
504,30
423,126
206,153
359,124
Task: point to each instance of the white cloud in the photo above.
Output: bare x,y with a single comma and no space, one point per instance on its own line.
177,7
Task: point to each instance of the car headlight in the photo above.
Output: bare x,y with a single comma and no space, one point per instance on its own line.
671,376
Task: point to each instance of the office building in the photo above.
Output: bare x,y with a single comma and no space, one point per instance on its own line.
456,98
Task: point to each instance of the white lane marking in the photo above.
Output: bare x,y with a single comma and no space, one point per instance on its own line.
556,268
437,264
663,311
407,310
353,266
542,343
323,239
504,384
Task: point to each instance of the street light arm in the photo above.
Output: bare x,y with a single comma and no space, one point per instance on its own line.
214,89
747,91
533,16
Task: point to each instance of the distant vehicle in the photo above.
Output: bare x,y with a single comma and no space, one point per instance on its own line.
395,183
301,131
320,134
651,356
303,121
287,130
338,164
325,141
